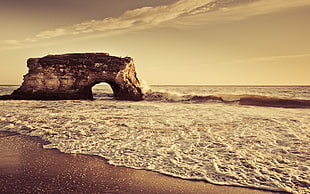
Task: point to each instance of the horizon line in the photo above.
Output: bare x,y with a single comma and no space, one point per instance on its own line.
235,85
212,85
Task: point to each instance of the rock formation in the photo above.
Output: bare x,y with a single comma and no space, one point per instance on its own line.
72,76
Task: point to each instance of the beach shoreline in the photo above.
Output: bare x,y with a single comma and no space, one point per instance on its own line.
25,167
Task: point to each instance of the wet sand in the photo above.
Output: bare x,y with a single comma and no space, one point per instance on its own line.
25,167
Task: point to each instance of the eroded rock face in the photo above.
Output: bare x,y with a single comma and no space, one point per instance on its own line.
71,76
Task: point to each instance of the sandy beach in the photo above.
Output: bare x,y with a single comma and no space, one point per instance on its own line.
25,167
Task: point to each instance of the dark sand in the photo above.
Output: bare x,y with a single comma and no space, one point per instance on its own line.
25,167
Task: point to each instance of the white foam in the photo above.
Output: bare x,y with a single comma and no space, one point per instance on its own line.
162,95
144,86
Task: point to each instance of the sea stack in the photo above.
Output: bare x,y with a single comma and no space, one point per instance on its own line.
72,76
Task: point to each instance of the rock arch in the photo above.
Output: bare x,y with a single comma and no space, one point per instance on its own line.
72,76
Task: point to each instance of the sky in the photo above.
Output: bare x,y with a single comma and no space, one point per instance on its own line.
182,42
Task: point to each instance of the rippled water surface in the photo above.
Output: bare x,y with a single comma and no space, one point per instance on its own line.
229,144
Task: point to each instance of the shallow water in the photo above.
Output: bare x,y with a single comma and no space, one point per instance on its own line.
229,144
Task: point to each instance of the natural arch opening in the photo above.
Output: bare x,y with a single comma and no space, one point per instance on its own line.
102,91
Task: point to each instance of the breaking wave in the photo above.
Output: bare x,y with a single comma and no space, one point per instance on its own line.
243,99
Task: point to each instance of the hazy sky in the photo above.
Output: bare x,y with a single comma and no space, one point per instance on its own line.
172,41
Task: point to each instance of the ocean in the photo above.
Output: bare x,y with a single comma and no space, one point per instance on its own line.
179,131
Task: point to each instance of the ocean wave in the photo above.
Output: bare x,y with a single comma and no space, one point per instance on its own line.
244,99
